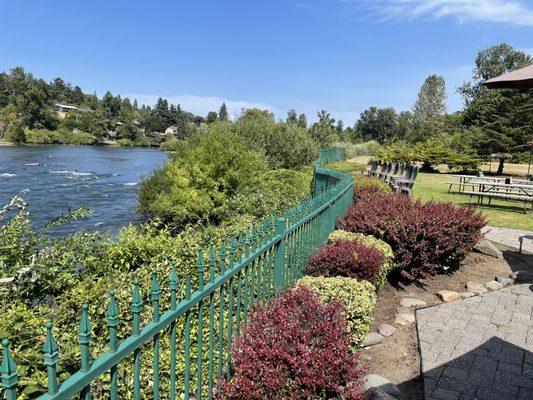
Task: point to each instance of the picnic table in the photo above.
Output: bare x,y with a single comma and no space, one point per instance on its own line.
474,180
504,191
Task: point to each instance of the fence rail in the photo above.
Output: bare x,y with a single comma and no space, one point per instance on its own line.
198,326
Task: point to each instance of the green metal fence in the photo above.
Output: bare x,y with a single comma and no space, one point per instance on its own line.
231,280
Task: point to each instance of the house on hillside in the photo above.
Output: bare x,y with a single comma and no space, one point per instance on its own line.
172,130
63,109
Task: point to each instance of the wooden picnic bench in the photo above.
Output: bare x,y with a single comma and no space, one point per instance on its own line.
503,191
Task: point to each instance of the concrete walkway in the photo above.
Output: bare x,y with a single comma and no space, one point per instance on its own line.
480,347
509,236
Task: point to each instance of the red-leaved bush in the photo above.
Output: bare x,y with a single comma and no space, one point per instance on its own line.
295,348
424,237
346,258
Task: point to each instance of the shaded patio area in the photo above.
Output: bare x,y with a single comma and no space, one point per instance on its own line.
480,347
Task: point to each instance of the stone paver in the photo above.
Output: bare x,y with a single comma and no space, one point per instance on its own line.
508,237
480,347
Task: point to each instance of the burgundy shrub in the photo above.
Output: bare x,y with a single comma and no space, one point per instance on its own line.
346,258
424,237
295,348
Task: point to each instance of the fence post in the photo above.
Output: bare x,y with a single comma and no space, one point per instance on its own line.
280,254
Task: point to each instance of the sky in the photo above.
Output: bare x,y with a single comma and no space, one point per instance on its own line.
340,55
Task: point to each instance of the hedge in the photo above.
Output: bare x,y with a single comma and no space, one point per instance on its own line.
358,298
370,241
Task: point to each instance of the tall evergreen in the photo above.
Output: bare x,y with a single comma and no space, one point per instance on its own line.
223,113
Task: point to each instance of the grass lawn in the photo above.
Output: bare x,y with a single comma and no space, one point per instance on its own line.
508,214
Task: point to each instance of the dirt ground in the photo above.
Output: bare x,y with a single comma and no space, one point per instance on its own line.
397,358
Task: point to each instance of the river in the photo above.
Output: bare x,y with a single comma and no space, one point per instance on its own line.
52,178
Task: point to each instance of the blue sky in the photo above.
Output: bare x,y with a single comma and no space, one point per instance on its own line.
339,55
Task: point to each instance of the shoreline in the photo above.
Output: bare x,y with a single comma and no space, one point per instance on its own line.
101,144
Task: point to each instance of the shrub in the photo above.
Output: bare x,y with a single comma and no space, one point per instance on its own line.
126,142
372,241
357,297
346,258
348,166
367,184
425,238
295,348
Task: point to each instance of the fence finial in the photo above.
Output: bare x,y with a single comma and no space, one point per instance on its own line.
155,295
84,337
8,371
173,285
136,307
112,321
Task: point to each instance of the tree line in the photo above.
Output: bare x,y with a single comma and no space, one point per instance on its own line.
493,123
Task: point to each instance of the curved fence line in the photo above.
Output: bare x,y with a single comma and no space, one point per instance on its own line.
197,327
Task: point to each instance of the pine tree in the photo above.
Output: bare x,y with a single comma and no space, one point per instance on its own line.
302,121
429,109
223,112
292,118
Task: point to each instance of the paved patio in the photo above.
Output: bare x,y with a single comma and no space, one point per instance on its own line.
479,348
508,236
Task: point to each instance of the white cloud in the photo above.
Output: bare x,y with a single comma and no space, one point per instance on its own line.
201,105
515,12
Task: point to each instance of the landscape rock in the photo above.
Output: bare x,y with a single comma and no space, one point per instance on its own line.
486,247
403,310
475,287
372,339
375,381
404,319
378,394
504,281
493,285
387,330
466,295
411,302
448,295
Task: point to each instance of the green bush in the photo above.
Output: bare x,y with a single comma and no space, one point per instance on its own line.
191,187
358,297
372,241
272,192
126,142
63,136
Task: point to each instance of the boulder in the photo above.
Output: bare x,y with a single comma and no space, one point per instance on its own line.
412,302
504,281
375,381
387,330
493,285
475,287
486,247
372,339
377,394
448,295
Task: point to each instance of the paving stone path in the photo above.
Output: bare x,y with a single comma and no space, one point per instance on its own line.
508,236
480,347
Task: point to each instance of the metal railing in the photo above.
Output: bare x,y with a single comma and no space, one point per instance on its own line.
198,326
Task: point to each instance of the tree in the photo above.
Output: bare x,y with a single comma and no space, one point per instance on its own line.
323,131
292,118
223,113
405,124
302,121
11,126
212,116
379,124
498,121
429,109
490,63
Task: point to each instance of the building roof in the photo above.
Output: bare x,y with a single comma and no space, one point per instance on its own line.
66,107
520,78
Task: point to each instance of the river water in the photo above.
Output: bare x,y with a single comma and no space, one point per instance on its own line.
52,178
